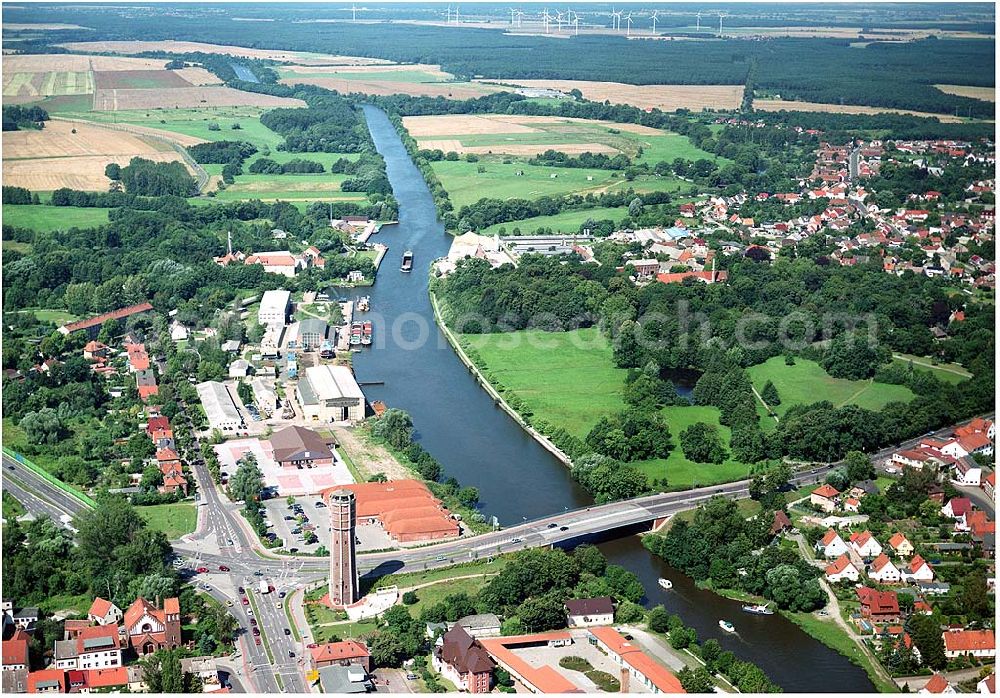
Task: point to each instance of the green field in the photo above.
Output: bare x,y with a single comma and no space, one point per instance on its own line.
465,184
678,470
565,222
50,84
568,379
947,372
45,218
175,520
415,76
806,382
291,186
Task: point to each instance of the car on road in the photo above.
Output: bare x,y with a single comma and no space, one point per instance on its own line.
256,641
278,605
201,570
206,587
551,525
258,573
412,677
287,631
564,528
312,645
223,568
10,467
229,602
517,540
253,621
321,505
289,518
246,601
291,654
256,632
250,612
242,590
293,550
281,595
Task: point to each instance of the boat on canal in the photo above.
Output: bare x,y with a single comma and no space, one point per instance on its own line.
364,304
758,609
366,333
727,626
665,583
355,333
407,264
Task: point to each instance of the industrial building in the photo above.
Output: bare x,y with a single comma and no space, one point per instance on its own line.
266,399
297,447
405,509
312,332
219,407
274,307
330,394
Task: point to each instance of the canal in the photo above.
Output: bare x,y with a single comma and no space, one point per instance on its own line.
480,445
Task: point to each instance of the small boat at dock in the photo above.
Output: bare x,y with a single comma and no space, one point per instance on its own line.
407,263
366,333
727,626
759,609
364,304
355,333
665,583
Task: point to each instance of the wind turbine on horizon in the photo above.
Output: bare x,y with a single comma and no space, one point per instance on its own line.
721,15
654,21
628,24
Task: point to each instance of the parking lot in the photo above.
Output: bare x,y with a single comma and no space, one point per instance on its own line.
304,513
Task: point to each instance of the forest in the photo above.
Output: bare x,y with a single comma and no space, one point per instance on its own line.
823,70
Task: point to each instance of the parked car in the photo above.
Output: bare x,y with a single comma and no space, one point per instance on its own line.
223,568
201,570
287,631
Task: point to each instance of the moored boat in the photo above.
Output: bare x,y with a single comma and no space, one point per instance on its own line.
366,333
355,333
759,609
665,583
727,626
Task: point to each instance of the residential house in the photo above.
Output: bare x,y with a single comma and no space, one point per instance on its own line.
989,484
15,652
150,629
98,647
781,523
298,447
879,606
47,681
581,613
635,664
825,497
15,681
883,571
25,618
966,472
900,545
239,368
341,654
842,569
968,445
972,643
988,685
205,668
831,545
957,508
937,684
865,545
917,571
462,660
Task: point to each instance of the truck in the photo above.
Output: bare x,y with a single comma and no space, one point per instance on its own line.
263,587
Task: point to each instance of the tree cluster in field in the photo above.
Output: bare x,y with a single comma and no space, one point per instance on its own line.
723,548
143,177
295,166
19,195
596,161
17,117
330,124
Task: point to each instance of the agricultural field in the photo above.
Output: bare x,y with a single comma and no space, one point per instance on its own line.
385,79
186,98
303,187
465,184
988,94
787,105
29,87
568,379
663,97
45,218
74,155
503,134
565,222
198,47
806,382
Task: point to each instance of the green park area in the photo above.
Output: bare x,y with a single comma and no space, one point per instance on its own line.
565,222
947,372
806,382
45,218
174,520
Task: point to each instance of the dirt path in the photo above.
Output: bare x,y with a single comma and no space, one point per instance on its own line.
833,606
915,362
370,458
766,406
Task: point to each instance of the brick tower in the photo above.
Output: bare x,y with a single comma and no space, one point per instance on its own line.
343,570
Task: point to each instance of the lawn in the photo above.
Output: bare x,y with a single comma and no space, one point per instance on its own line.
565,222
175,520
682,473
428,596
56,317
947,372
806,382
568,379
291,186
412,579
45,218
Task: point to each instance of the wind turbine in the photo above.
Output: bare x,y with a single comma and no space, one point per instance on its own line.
616,19
559,20
628,24
448,21
354,13
721,15
576,22
456,14
512,13
699,22
545,19
654,21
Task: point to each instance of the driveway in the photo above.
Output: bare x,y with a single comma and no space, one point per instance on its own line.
397,682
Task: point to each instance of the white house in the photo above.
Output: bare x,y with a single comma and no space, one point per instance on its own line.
918,571
274,307
957,508
968,445
988,685
883,571
966,472
937,684
581,613
825,497
842,569
865,545
973,643
832,545
103,612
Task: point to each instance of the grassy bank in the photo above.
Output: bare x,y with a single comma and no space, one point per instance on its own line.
45,218
175,520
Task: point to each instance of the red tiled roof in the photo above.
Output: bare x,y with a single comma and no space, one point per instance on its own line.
916,563
839,565
960,506
829,537
109,632
879,602
937,684
15,652
897,540
336,651
973,442
969,640
880,562
103,678
47,675
658,674
99,608
827,491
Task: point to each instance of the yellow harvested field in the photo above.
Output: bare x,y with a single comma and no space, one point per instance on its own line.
663,97
46,84
475,124
781,104
186,98
198,76
988,94
65,62
453,90
57,157
198,47
526,149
